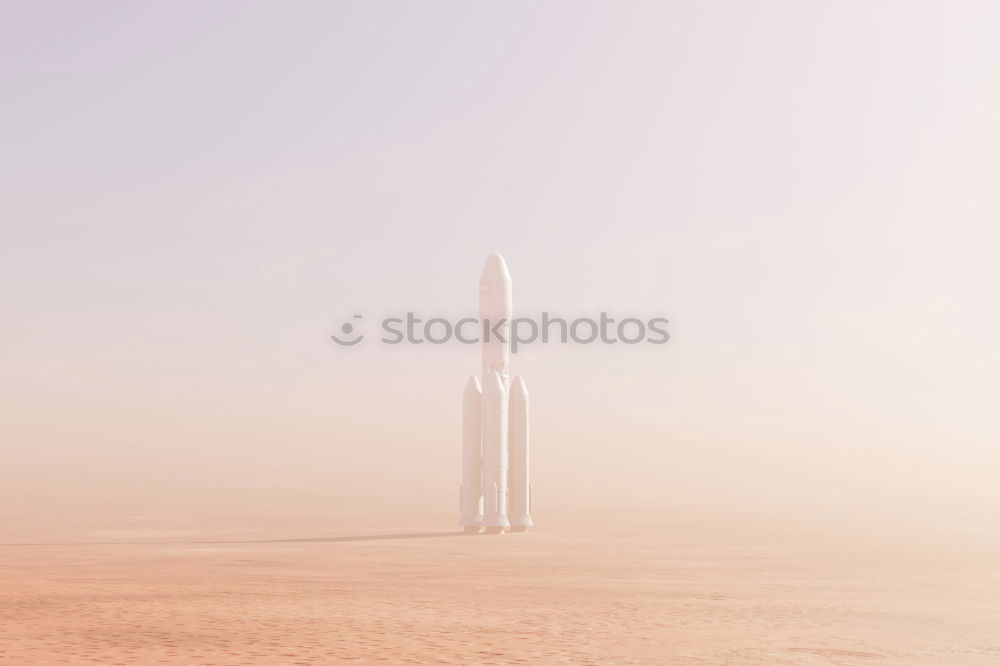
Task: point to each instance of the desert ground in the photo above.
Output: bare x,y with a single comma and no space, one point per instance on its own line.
630,587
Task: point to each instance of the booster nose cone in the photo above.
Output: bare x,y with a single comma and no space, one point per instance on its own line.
473,390
518,390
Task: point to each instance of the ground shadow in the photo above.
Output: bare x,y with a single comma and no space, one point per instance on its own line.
336,539
366,537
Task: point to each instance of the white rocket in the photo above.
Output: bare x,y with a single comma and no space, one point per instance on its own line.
496,489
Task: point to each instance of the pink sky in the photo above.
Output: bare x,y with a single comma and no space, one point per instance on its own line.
195,197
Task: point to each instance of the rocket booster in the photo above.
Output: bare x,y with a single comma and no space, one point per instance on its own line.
471,493
519,487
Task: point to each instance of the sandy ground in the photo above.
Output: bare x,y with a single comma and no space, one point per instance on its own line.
591,589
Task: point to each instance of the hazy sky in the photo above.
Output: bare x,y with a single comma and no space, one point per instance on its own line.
194,196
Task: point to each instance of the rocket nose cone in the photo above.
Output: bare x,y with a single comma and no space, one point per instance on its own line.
472,387
495,268
495,289
518,390
493,385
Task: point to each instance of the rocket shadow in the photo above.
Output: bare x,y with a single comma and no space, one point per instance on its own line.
337,539
365,537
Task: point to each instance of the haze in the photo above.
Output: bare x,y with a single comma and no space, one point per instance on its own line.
195,196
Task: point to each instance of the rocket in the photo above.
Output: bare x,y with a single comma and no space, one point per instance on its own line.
495,493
